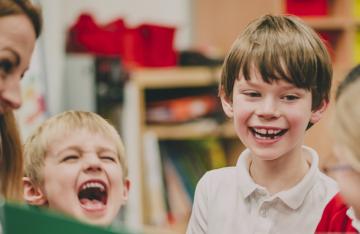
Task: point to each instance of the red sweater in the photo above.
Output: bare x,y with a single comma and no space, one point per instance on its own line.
334,218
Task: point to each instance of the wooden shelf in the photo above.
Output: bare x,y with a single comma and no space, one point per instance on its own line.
175,77
193,130
328,23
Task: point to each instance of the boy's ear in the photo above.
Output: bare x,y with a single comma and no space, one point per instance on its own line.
317,114
126,189
33,195
226,104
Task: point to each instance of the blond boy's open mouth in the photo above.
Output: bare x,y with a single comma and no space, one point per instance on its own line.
93,195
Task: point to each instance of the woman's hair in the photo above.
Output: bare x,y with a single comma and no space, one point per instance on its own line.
346,124
25,7
11,158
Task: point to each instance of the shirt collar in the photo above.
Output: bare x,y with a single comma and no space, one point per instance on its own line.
293,197
354,221
246,184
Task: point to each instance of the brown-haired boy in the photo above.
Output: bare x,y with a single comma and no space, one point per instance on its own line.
75,164
275,84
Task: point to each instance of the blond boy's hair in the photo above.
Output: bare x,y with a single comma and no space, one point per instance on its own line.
58,126
346,124
280,48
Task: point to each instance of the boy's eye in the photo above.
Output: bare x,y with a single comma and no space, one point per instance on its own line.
108,158
70,158
252,94
290,97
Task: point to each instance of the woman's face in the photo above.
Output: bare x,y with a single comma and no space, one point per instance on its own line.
17,41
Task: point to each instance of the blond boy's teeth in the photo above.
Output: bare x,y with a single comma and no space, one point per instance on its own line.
93,185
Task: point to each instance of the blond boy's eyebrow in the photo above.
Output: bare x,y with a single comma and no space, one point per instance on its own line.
105,149
75,148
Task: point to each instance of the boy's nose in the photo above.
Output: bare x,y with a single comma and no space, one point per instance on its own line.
93,164
268,109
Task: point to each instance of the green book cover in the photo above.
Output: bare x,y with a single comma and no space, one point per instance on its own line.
21,219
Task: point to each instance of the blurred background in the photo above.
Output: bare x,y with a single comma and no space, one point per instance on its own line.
152,69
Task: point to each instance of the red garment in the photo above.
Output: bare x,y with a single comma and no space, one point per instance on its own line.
334,218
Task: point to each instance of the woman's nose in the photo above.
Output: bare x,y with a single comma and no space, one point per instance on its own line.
11,93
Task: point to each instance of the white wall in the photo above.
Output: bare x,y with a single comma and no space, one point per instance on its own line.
60,14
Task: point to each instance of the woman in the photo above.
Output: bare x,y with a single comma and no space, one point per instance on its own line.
20,26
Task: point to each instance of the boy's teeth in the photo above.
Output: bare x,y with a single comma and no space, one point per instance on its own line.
266,131
262,131
93,185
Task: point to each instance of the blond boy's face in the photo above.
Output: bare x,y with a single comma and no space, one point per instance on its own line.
270,119
83,177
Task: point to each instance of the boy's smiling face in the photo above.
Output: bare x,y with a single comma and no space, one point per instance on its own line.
270,119
83,178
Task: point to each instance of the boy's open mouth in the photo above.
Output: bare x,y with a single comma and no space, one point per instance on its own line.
93,195
268,133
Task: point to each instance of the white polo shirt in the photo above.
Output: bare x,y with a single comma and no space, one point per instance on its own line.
227,200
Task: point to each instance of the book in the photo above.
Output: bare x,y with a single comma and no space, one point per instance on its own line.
157,213
20,219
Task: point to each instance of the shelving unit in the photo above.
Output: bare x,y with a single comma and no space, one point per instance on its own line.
340,26
154,79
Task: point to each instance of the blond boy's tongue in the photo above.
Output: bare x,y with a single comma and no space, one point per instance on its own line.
92,204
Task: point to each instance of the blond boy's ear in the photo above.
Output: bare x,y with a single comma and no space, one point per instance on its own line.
226,104
126,190
33,194
317,114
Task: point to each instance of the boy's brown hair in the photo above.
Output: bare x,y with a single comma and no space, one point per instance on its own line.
58,126
281,48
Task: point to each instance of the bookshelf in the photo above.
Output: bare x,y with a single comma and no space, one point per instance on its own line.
338,17
149,144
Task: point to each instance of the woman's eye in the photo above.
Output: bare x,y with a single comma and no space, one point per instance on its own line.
290,97
6,66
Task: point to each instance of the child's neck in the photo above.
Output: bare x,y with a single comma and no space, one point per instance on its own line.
280,174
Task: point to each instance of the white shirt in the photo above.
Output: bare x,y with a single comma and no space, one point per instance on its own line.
227,200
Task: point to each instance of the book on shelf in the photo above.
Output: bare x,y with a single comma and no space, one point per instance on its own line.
182,109
356,9
179,201
307,7
357,47
157,212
